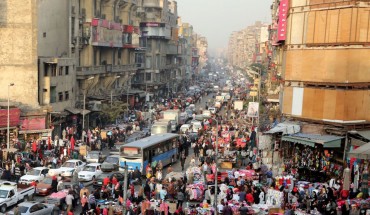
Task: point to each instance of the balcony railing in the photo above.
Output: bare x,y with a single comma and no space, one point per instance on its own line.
123,68
97,70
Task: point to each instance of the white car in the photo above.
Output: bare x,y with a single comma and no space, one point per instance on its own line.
31,208
90,172
35,174
68,168
197,126
185,127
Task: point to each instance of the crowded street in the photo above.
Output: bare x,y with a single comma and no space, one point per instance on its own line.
184,107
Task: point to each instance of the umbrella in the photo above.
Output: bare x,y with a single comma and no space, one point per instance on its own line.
72,143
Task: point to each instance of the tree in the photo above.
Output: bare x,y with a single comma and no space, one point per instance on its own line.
114,111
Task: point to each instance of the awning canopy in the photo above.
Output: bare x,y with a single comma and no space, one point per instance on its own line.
328,141
362,152
285,128
35,131
364,134
77,111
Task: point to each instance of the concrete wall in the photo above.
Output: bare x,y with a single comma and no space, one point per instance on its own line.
53,25
18,51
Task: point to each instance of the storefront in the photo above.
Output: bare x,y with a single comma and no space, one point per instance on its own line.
313,156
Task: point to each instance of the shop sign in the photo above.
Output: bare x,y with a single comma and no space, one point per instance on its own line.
283,13
33,123
253,93
14,117
253,109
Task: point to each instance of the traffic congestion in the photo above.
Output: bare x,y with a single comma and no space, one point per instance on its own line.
197,151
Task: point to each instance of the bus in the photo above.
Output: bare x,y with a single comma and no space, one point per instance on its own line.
159,147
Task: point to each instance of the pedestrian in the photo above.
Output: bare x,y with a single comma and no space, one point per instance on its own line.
84,203
69,200
180,198
54,184
16,210
17,173
92,201
182,160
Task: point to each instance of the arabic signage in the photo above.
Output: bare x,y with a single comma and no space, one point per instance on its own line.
33,123
283,13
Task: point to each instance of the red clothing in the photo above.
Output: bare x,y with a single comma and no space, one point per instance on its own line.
106,181
97,211
114,181
249,198
34,147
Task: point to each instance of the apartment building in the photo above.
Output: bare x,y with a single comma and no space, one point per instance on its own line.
244,46
159,33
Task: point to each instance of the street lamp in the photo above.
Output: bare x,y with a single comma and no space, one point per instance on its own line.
83,109
111,92
8,123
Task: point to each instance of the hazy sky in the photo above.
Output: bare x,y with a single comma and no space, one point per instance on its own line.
217,19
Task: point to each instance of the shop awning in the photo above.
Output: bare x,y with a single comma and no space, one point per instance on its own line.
362,152
328,141
77,111
35,131
364,134
285,128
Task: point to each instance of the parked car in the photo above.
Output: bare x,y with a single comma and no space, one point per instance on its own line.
90,172
68,168
34,208
111,163
99,180
11,194
35,174
95,157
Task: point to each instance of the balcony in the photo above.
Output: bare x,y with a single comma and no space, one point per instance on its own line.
153,3
105,69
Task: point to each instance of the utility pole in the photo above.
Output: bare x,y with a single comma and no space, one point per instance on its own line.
125,189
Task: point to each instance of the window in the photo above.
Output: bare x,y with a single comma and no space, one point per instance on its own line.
66,95
148,76
148,62
149,46
158,61
53,70
60,96
53,97
44,34
46,69
67,70
60,73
